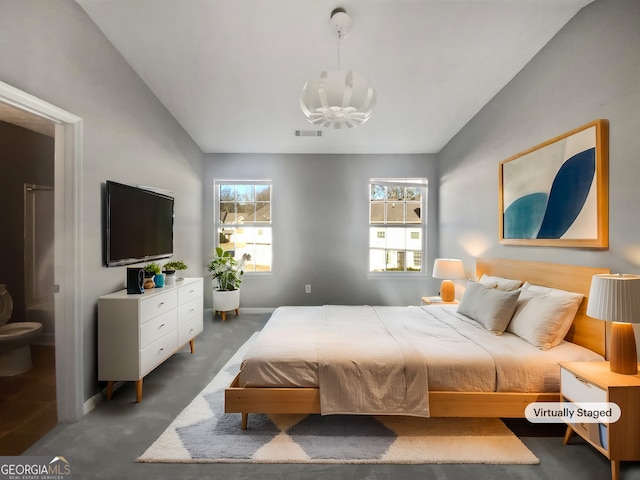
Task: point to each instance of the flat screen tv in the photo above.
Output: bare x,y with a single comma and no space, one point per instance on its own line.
138,225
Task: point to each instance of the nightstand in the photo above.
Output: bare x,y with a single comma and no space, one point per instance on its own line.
437,301
594,382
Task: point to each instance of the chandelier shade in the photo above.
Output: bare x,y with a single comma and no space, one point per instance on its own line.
338,99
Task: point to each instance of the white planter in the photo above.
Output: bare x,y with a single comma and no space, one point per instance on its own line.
170,278
224,301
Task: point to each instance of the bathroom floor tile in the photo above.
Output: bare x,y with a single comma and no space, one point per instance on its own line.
41,422
16,412
28,403
16,443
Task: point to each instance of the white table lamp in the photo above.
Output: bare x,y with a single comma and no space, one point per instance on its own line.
448,269
616,298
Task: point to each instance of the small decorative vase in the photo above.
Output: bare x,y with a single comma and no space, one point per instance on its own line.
158,279
148,281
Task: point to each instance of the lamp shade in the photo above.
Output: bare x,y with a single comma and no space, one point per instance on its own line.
338,99
615,298
448,268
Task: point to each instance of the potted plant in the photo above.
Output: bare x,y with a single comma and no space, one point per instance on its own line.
150,272
226,273
170,268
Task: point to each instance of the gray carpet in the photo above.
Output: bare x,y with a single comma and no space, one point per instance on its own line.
105,443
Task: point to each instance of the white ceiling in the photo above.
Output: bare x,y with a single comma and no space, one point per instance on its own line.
231,71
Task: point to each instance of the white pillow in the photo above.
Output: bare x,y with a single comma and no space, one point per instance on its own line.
506,284
488,306
544,315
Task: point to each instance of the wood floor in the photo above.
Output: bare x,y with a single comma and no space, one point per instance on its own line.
28,403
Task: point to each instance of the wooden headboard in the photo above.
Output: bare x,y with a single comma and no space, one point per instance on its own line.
585,331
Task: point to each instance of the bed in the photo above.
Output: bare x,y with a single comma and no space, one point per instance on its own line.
271,391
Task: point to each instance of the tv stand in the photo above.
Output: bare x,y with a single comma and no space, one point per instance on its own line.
137,332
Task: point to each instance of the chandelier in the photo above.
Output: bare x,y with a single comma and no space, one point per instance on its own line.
337,98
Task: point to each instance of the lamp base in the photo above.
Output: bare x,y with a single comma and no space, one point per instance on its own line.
622,349
447,291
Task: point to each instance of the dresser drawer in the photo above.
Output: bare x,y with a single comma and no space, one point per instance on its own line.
577,389
157,305
189,330
157,352
157,327
189,311
189,292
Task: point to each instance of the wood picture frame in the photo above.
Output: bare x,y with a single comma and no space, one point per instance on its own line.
557,193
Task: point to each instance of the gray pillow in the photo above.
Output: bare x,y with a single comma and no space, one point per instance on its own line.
488,306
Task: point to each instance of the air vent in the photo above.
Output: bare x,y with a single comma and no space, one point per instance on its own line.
308,133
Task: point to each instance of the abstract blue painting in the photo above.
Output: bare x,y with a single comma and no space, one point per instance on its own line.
556,194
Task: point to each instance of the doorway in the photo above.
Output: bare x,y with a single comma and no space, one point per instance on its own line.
26,110
28,387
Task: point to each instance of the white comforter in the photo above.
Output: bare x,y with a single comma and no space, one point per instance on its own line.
384,360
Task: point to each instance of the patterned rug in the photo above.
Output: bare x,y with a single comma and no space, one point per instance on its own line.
202,433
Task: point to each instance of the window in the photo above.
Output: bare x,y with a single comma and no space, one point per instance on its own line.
396,224
243,222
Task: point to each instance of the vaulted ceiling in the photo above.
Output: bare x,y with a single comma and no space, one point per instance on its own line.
231,71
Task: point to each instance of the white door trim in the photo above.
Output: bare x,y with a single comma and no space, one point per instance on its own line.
68,248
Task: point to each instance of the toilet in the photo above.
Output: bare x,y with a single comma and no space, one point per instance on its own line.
15,339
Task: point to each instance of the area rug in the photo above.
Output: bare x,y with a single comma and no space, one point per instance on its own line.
203,433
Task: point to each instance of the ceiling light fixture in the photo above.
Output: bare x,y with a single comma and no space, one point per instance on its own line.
337,98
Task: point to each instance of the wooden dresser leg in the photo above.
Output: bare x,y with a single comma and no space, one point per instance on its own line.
191,345
237,312
224,316
245,419
615,469
567,435
109,389
139,390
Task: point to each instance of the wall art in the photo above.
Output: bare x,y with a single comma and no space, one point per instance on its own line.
556,193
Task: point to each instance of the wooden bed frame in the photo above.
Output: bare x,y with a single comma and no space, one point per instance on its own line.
584,331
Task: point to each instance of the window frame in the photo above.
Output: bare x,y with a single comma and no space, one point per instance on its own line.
421,183
217,225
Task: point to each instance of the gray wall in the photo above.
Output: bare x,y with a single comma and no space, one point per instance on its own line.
320,227
51,49
589,70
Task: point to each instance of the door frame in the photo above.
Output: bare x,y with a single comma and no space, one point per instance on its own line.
68,248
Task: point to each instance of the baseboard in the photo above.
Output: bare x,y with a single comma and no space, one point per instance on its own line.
92,402
250,310
98,397
257,309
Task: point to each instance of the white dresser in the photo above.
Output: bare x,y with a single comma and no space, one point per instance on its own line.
137,332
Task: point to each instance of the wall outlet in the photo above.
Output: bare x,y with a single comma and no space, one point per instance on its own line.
307,289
